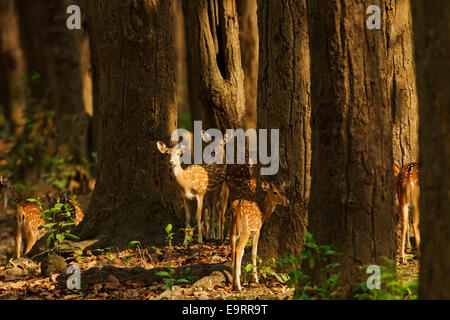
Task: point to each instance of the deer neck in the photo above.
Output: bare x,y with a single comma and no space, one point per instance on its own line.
178,171
267,207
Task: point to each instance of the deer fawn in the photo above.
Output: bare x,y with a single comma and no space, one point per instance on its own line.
29,218
7,192
247,219
407,187
192,182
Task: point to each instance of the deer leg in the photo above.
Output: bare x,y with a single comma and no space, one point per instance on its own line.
199,217
405,222
243,239
254,254
187,207
18,240
416,230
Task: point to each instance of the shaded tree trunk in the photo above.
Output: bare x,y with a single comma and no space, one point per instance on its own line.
405,110
432,47
352,198
133,57
402,87
12,66
249,41
214,59
52,51
284,103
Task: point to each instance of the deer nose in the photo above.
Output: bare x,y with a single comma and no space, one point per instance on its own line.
287,202
171,163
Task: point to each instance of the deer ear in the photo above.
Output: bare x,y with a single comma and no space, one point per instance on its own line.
162,147
265,186
285,184
206,136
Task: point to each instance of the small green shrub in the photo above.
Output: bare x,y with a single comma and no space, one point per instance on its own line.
314,256
393,286
59,220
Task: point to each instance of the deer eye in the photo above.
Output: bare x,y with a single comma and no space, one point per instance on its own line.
275,193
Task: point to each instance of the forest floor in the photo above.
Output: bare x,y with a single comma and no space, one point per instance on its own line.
199,273
195,273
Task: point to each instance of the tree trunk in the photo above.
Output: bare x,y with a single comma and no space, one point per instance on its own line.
133,52
249,40
405,109
52,51
284,103
402,87
432,47
352,198
12,66
214,58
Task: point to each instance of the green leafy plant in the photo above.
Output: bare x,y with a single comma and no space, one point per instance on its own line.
393,285
58,223
169,236
314,256
137,244
169,278
190,235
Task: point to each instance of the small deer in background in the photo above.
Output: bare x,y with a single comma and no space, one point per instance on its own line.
247,219
29,218
408,191
7,192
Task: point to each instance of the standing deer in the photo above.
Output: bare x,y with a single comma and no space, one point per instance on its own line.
28,220
200,183
216,197
247,219
192,183
407,185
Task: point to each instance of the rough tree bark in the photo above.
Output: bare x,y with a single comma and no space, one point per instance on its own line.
432,47
284,103
214,57
249,40
133,57
12,66
402,85
352,198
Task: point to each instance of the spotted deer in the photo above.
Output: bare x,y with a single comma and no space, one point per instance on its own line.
7,192
407,187
192,183
216,197
28,220
247,220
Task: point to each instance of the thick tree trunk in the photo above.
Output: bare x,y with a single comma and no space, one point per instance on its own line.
214,58
284,103
402,87
249,40
405,109
352,198
432,47
133,51
12,66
